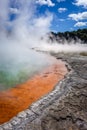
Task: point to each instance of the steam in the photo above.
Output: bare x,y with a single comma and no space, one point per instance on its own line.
61,45
19,18
20,30
64,48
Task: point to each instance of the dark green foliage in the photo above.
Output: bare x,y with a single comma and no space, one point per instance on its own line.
73,35
83,53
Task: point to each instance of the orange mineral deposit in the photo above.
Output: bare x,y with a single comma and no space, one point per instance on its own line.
23,95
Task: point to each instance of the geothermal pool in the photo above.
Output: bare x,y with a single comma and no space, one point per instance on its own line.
39,77
17,69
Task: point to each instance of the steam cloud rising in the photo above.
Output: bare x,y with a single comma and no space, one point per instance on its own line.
20,30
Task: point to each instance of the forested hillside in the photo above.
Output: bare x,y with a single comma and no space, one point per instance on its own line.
76,36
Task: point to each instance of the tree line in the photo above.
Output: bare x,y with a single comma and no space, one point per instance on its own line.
76,36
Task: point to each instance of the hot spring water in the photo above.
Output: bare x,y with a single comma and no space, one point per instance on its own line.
18,67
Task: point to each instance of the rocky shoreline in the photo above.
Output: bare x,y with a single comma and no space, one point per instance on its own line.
65,108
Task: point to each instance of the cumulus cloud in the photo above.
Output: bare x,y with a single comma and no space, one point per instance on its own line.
60,10
61,0
81,3
80,24
79,16
45,2
14,10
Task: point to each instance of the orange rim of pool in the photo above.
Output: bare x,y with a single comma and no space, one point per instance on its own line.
19,98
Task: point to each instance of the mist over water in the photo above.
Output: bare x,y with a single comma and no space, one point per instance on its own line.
20,30
15,69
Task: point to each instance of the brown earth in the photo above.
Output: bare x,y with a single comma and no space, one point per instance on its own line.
22,96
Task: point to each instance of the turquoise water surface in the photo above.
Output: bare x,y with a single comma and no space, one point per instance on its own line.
15,69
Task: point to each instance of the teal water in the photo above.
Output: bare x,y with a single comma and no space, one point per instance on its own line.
16,69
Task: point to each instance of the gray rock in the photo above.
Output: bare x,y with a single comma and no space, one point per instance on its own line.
65,108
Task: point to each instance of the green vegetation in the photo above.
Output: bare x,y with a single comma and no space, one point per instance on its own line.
73,35
83,53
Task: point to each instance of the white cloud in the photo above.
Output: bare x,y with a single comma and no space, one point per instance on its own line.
80,24
61,0
42,24
61,20
71,29
4,4
39,22
81,3
60,10
14,10
45,2
79,16
3,7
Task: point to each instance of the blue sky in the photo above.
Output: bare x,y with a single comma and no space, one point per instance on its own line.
53,15
64,13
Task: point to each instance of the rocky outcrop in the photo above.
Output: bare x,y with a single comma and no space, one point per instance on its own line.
65,108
